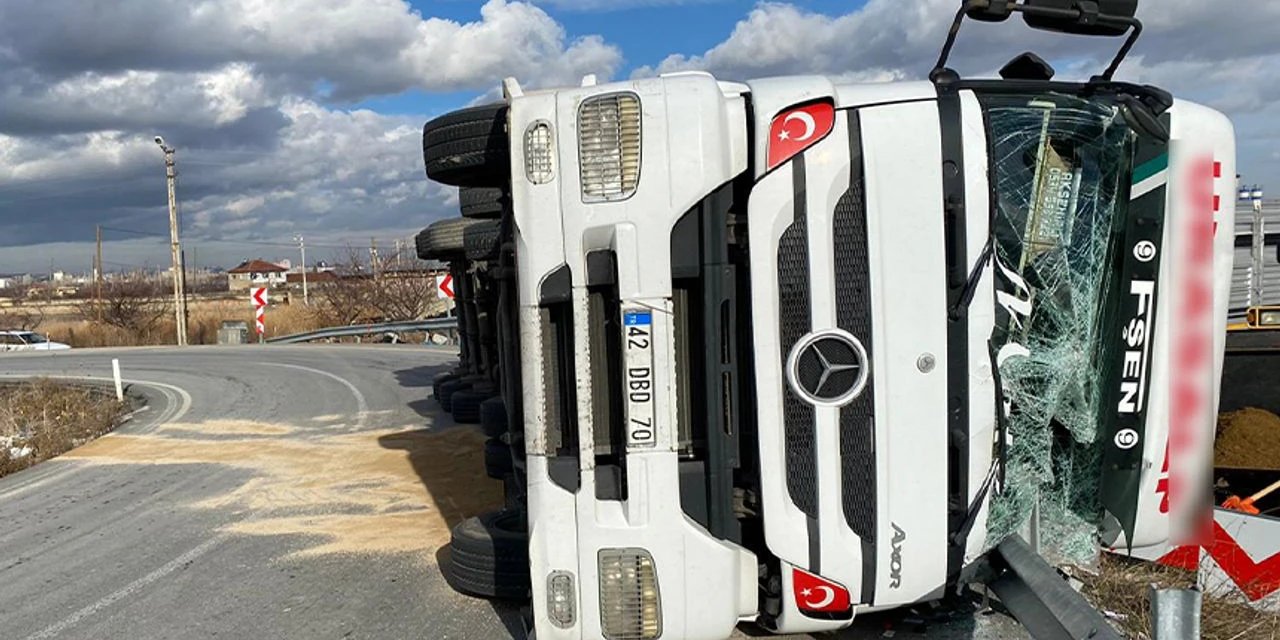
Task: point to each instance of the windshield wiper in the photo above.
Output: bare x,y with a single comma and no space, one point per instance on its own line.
961,308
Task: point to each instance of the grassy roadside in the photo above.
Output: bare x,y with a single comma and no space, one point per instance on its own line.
1121,587
43,419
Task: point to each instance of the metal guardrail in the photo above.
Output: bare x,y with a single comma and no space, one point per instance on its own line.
439,325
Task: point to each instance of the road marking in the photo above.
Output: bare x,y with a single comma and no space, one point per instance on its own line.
173,565
177,401
362,407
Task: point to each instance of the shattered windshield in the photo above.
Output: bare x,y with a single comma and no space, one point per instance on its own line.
1061,166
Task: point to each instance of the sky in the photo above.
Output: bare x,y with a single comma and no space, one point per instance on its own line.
304,117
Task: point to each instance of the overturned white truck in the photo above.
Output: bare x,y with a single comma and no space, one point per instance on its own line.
793,349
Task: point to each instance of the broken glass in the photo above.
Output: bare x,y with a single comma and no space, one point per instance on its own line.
1060,164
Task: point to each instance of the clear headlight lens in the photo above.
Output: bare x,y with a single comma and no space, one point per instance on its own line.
539,153
609,146
562,605
630,605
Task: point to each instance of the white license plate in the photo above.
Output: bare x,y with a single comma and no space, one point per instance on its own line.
637,335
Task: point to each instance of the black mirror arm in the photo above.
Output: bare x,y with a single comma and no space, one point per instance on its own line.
1134,25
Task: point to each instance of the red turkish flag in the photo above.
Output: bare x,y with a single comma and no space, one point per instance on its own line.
798,129
817,594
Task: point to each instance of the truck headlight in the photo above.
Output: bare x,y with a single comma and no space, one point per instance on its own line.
630,606
539,154
609,146
561,601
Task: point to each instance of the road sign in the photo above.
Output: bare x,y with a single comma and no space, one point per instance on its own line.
444,286
259,298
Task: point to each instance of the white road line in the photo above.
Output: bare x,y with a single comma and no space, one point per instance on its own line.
362,407
173,565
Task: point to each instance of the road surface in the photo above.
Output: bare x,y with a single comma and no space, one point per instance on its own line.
280,492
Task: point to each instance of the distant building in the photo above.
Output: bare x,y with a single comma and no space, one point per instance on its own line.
14,280
256,273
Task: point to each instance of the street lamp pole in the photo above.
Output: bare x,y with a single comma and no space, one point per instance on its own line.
302,246
175,245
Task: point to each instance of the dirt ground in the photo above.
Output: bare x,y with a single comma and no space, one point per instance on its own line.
1249,438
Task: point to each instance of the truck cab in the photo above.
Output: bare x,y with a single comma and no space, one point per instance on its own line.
794,349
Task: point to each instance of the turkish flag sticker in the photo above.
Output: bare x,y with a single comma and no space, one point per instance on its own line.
797,129
815,594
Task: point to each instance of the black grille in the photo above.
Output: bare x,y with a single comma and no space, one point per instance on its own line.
853,314
795,322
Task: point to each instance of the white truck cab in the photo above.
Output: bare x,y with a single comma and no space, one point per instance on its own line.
778,339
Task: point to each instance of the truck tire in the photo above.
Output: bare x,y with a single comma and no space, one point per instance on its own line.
484,203
497,459
493,417
468,147
489,556
439,380
465,405
483,240
444,240
447,391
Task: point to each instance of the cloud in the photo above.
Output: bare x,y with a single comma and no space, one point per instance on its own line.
346,49
255,95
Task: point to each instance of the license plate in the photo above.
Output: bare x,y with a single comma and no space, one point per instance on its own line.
637,335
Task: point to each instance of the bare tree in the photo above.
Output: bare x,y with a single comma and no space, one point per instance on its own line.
405,295
348,297
20,316
133,303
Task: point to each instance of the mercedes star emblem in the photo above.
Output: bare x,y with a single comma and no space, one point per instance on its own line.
828,368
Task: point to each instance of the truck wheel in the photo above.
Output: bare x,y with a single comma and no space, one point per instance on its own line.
468,147
439,380
497,459
493,417
489,556
484,203
483,240
465,405
447,391
444,240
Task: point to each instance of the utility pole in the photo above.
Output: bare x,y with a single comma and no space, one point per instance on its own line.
373,257
97,277
302,246
179,293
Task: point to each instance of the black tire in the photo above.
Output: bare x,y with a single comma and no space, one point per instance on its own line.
465,406
484,203
468,147
444,240
483,240
493,417
497,459
439,380
489,556
447,391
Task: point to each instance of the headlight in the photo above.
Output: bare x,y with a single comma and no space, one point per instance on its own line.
561,601
539,154
630,606
609,146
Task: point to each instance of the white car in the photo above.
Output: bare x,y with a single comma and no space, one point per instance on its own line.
28,341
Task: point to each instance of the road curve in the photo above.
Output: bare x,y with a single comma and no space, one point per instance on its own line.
264,492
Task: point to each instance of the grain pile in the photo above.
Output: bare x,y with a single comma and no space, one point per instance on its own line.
362,493
1249,438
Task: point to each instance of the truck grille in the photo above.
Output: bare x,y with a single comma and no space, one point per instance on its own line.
795,321
853,314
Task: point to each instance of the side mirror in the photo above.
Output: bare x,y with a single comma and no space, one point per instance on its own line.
991,10
1081,17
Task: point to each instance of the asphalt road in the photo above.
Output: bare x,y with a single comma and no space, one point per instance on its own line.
263,492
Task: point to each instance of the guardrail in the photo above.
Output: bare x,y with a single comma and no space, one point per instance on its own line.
448,326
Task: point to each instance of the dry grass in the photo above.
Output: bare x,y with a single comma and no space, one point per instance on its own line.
204,318
43,419
1122,585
